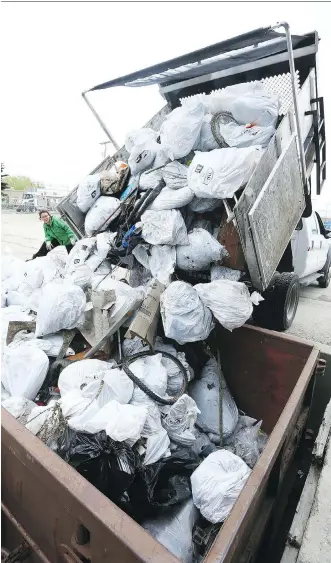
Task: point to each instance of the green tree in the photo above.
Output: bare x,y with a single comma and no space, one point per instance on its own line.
19,182
4,185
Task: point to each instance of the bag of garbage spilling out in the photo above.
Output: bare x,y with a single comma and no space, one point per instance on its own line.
217,483
150,180
173,529
159,259
221,172
164,227
88,192
206,393
180,421
24,369
229,301
101,214
60,307
19,407
202,204
201,250
247,440
240,136
206,141
222,273
142,156
140,136
180,130
172,199
184,316
175,175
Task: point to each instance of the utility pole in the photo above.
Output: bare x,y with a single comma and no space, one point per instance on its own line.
105,143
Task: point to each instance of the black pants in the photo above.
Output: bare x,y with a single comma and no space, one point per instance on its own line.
43,249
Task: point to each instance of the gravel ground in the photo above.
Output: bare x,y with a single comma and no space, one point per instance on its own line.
22,234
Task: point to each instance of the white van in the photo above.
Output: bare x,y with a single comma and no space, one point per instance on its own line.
311,251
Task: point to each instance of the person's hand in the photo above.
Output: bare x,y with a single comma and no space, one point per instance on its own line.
49,245
73,241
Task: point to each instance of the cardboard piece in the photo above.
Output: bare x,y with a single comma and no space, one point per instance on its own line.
144,325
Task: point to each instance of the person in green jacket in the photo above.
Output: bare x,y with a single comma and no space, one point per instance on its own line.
57,233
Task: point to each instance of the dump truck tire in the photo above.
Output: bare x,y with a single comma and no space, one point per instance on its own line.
279,307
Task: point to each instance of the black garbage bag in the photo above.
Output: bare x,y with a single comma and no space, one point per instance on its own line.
164,483
108,465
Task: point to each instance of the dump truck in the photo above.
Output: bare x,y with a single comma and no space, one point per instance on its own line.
50,512
259,225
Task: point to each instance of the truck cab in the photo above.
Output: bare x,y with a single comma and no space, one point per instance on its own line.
311,251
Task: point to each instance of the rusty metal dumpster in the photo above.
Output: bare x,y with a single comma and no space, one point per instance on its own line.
52,514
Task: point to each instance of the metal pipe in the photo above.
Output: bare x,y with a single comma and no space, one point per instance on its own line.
286,27
101,123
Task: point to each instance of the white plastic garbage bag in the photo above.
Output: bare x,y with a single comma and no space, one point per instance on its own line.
79,254
50,344
239,136
206,393
157,447
61,306
88,192
184,316
82,276
150,180
77,375
222,273
4,394
174,374
221,172
150,370
12,313
257,107
109,385
46,422
180,130
24,369
164,227
142,156
10,266
202,204
3,299
217,483
101,214
180,421
140,136
229,301
201,250
105,241
121,422
19,407
245,440
173,529
159,259
206,141
175,175
172,199
18,297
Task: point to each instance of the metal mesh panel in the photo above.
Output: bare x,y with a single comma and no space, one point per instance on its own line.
279,84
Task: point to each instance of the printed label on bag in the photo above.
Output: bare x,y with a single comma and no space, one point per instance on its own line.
199,168
208,176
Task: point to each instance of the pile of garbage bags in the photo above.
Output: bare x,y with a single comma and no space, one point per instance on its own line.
147,416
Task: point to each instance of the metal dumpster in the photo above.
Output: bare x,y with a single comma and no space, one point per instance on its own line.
54,514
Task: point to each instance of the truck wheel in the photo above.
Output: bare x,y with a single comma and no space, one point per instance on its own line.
280,304
325,279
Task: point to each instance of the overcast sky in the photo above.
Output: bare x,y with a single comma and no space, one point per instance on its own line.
51,52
